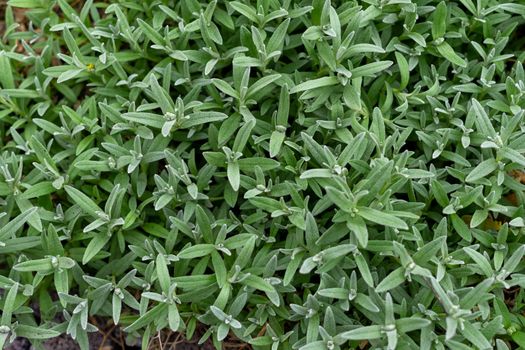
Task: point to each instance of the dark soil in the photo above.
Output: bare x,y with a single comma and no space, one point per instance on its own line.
3,4
64,342
114,340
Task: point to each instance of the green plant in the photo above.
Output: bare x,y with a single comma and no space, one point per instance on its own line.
295,174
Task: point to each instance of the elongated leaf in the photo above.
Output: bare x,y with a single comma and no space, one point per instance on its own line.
482,170
40,265
196,251
249,164
475,336
149,119
19,244
448,52
147,318
162,273
314,84
8,307
261,84
12,226
394,279
382,218
225,87
316,173
411,324
199,118
83,201
21,93
368,332
482,120
6,74
38,190
364,48
277,39
439,24
95,245
370,69
150,32
31,332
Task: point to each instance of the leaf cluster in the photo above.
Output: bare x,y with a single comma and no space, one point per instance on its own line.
298,174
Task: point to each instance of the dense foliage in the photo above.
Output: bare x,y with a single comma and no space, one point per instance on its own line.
307,174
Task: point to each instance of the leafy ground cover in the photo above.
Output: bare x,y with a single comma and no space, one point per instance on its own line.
278,174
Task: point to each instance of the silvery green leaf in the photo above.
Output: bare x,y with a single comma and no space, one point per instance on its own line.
314,84
381,218
394,279
482,170
359,333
